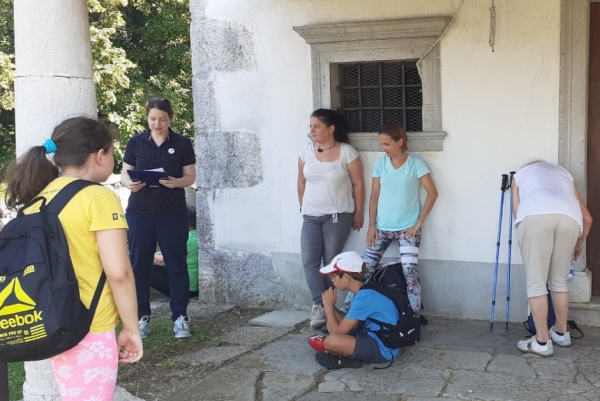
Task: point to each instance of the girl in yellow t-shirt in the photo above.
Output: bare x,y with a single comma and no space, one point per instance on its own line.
95,227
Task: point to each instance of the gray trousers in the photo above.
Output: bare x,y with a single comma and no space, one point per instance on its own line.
321,239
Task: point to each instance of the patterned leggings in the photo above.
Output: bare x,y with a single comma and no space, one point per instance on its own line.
88,372
409,256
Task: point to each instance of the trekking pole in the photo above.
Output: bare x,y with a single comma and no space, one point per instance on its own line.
4,393
510,230
502,189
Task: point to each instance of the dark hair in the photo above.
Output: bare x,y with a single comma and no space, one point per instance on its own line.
75,138
395,131
159,103
191,213
333,117
362,276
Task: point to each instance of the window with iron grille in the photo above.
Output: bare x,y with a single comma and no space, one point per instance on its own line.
372,94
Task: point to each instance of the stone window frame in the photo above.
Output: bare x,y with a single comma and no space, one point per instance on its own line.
372,41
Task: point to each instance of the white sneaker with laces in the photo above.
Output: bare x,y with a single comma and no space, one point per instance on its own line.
318,318
144,326
563,341
181,328
531,345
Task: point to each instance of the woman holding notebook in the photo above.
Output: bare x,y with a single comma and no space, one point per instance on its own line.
158,214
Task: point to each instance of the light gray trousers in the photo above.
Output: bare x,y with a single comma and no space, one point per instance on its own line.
322,238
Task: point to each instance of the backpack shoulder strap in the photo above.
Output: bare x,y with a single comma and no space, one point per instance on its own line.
63,197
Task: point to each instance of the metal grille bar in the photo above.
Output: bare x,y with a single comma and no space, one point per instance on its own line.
372,94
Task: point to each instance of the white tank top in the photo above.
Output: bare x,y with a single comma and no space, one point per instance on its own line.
545,188
328,186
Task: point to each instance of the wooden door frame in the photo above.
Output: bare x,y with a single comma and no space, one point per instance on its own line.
573,93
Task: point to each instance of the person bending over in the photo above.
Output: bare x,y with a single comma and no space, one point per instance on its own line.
551,223
352,340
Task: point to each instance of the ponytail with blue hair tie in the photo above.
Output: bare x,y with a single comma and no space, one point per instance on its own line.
50,146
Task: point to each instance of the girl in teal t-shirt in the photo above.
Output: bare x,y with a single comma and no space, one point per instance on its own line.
395,211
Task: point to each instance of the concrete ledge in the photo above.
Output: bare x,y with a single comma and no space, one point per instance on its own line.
580,287
586,314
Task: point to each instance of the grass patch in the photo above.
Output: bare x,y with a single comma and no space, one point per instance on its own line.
16,378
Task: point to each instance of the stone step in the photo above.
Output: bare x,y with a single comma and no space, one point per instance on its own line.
586,313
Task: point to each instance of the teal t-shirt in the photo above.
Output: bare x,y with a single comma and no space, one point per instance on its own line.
399,207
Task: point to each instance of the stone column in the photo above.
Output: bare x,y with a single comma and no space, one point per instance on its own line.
54,80
54,75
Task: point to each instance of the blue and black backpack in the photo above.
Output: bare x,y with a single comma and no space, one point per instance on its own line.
390,282
41,313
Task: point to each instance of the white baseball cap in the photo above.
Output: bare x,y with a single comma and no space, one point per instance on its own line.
346,262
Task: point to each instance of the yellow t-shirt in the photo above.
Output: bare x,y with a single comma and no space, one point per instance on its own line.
94,208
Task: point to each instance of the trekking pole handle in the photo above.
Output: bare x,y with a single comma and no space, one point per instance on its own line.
504,182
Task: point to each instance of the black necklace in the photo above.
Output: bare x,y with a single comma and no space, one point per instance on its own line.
321,150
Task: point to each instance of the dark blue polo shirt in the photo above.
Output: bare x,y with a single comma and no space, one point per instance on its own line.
172,155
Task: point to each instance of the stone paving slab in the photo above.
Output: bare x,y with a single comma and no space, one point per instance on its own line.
213,355
121,394
406,380
472,335
286,386
348,397
227,384
444,359
551,368
195,309
281,318
502,387
511,364
292,354
254,335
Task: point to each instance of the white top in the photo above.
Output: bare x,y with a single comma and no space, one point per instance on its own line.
328,187
545,188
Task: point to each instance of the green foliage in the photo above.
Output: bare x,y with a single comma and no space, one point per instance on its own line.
16,378
140,49
7,76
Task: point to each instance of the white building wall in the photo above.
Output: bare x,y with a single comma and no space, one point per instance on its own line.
500,109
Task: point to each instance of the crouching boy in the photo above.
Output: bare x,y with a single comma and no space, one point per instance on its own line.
352,340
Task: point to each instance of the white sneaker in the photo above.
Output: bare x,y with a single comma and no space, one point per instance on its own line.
531,345
563,341
144,326
317,317
181,328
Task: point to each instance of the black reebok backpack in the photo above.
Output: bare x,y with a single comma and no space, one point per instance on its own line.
41,314
391,283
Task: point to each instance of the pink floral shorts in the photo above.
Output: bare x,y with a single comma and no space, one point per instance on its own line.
88,372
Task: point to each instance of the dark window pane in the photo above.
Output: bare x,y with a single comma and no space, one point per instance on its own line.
372,121
353,119
348,74
414,97
371,97
349,98
369,74
414,120
372,94
392,97
392,73
411,74
394,116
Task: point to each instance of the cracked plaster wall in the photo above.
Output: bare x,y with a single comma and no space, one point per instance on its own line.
499,110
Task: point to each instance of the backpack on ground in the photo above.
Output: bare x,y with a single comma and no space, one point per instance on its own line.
41,313
529,324
391,283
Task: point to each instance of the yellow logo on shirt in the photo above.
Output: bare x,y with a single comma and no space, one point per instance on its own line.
28,269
